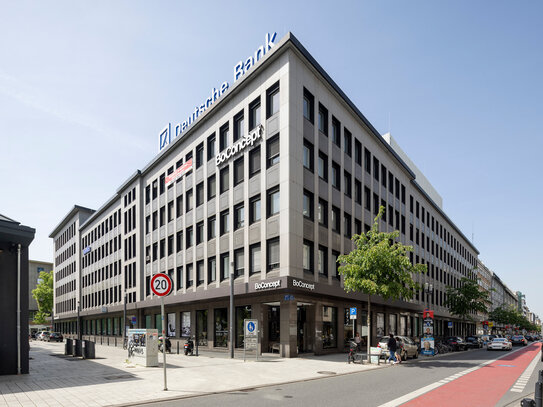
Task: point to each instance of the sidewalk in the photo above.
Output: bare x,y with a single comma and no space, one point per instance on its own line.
58,380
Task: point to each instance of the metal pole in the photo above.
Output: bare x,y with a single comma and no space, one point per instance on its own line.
19,308
78,321
163,341
123,328
538,397
232,310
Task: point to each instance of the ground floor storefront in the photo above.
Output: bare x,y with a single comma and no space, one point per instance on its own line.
295,317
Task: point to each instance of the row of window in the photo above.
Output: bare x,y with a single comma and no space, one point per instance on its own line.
65,237
102,274
102,228
102,251
107,296
65,306
65,255
130,197
66,271
65,288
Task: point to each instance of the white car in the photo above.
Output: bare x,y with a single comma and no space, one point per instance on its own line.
499,344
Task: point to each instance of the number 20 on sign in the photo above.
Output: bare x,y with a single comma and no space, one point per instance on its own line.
161,284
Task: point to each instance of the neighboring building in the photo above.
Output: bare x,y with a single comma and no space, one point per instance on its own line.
484,277
34,270
14,241
521,303
270,182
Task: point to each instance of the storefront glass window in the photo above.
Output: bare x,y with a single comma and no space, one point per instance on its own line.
380,325
201,327
148,320
392,327
403,325
329,327
185,324
221,327
274,317
241,314
158,323
115,326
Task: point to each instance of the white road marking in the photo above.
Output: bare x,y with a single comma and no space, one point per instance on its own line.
522,381
414,394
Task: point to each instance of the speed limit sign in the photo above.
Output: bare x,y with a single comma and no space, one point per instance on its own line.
161,284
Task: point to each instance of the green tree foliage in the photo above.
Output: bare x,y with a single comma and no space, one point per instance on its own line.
467,299
43,294
508,315
379,266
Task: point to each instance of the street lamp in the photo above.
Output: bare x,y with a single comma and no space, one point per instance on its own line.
428,289
78,321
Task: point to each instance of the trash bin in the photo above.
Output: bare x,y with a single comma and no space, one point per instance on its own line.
77,348
68,347
89,350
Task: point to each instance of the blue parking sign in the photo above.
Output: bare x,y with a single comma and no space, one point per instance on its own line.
352,313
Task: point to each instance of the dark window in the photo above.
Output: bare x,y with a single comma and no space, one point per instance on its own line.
322,212
358,152
323,120
223,137
238,171
225,266
254,259
211,186
383,176
239,263
188,200
211,227
375,204
178,241
170,211
272,100
200,194
336,176
179,206
367,200
147,194
358,192
189,237
211,147
273,254
170,245
367,160
308,155
162,248
239,123
225,222
307,257
254,209
335,265
211,269
239,216
336,220
162,183
254,113
199,232
308,205
273,201
190,276
162,216
199,272
348,142
322,166
347,225
357,226
336,132
272,153
376,168
309,106
224,179
348,183
199,155
322,261
155,189
254,161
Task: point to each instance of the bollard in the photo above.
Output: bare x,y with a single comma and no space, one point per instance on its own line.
540,376
538,394
527,403
115,341
108,341
178,347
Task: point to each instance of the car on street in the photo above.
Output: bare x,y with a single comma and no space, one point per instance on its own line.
455,342
55,337
407,345
499,344
43,335
474,342
519,340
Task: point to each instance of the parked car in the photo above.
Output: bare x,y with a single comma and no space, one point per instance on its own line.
408,347
499,344
473,342
456,343
55,337
519,340
43,335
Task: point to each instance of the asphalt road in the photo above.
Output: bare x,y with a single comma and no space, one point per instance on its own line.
369,388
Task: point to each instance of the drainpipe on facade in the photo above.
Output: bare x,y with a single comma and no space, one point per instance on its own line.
19,309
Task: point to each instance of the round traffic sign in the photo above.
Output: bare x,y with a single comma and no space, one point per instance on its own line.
251,326
161,284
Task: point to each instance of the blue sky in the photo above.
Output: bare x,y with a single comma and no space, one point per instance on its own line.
85,88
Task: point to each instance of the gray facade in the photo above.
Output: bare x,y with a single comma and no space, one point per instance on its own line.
278,208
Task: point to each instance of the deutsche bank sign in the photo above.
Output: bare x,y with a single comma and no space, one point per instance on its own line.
240,69
246,141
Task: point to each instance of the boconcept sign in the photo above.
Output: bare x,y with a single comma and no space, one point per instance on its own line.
246,141
240,69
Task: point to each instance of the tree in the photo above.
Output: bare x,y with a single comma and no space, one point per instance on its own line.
43,294
467,299
379,266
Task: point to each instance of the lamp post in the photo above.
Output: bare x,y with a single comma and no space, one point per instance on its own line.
78,320
428,289
123,328
231,324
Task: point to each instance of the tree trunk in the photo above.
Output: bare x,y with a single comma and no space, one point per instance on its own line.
369,328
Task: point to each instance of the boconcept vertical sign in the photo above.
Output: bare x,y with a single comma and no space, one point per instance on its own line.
240,69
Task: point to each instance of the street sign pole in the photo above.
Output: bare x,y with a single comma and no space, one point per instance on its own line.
163,342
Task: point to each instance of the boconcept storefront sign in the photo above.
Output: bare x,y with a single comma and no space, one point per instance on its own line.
244,142
240,69
302,284
267,285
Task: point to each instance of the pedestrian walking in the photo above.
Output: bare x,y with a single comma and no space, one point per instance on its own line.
399,347
392,346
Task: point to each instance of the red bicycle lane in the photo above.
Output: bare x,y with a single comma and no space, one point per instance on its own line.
483,387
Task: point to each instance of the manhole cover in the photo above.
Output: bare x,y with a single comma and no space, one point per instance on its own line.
119,377
326,372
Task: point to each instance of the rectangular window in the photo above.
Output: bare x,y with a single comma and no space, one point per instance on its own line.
223,137
254,259
358,152
397,188
190,270
147,224
375,204
239,263
272,151
225,266
272,100
179,241
211,187
200,194
322,166
323,120
322,212
170,211
238,171
358,192
307,257
254,161
347,228
211,227
348,183
239,125
162,216
220,328
254,113
336,219
199,272
367,200
189,237
200,232
329,327
188,157
336,132
347,142
225,222
309,106
308,155
170,245
336,176
239,216
254,209
334,272
211,269
322,261
308,205
273,201
273,254
211,147
189,200
162,248
367,160
179,206
162,183
224,179
155,189
376,168
147,194
357,226
199,155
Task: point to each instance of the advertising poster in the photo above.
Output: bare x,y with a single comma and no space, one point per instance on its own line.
427,346
427,342
185,323
171,325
